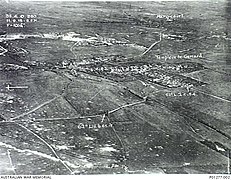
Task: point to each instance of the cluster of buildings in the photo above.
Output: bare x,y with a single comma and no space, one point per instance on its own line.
169,75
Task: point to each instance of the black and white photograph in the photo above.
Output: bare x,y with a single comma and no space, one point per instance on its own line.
115,87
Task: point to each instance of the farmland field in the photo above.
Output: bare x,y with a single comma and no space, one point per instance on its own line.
115,87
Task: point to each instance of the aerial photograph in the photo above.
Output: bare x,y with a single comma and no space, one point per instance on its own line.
115,87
